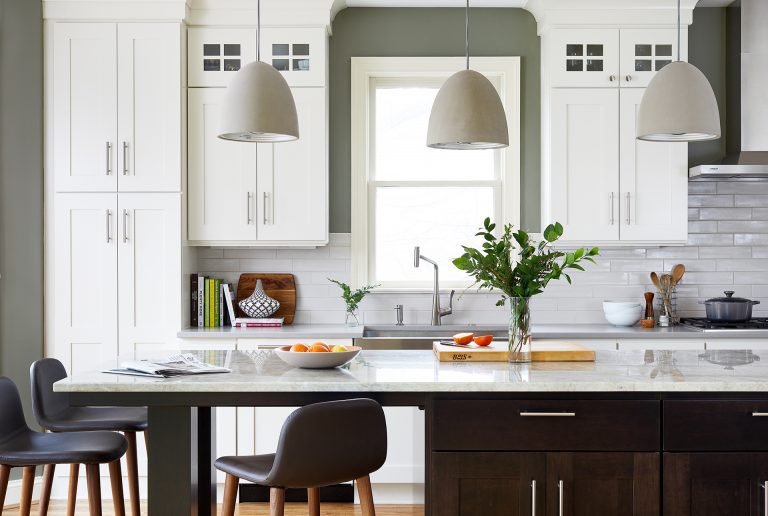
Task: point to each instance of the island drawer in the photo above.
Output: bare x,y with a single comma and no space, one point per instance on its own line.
542,425
716,425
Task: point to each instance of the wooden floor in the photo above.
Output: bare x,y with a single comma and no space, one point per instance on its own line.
58,508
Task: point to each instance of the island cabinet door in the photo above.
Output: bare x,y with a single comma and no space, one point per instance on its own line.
487,484
603,484
709,484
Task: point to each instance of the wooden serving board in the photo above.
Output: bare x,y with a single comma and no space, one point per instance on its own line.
278,286
497,352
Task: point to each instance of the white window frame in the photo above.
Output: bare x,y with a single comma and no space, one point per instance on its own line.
504,72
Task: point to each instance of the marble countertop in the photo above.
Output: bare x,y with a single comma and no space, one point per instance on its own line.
292,331
419,371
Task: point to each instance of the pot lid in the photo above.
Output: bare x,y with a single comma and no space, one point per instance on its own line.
728,298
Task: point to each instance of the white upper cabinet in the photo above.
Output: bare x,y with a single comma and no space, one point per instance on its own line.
300,53
149,107
583,184
84,90
653,181
608,58
116,107
293,179
221,205
214,55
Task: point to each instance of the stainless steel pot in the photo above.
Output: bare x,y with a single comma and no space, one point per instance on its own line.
729,308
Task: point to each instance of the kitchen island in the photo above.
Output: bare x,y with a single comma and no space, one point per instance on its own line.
500,438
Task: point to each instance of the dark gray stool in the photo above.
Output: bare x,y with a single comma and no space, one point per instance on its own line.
22,447
54,413
320,445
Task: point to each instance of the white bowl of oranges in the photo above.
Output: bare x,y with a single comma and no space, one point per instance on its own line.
318,355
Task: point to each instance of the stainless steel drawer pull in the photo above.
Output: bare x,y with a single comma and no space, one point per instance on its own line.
125,158
759,414
109,158
109,234
125,226
264,207
249,220
560,498
533,498
628,204
547,414
612,209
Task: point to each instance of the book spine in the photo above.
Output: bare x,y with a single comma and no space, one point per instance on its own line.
200,301
258,325
216,303
211,303
193,300
221,305
207,297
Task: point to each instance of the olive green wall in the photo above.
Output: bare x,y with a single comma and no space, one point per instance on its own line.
395,32
21,191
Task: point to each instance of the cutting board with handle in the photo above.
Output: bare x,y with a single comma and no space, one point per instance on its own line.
547,351
277,286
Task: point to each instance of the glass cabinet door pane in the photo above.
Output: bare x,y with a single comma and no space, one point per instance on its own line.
574,50
594,50
279,49
231,65
232,49
212,65
594,65
211,49
663,50
281,64
300,49
642,65
574,65
661,63
301,64
643,50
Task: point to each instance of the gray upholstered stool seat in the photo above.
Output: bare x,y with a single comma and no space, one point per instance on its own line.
320,445
81,419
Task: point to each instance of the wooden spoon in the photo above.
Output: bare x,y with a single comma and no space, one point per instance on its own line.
655,280
677,273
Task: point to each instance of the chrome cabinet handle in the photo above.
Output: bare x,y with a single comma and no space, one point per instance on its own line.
125,158
547,414
628,78
125,226
612,210
109,226
248,197
629,218
109,156
560,498
611,78
264,207
533,498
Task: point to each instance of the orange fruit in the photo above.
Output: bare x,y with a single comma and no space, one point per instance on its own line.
299,348
463,338
483,340
319,347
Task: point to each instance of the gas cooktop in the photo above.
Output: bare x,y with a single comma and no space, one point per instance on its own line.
701,323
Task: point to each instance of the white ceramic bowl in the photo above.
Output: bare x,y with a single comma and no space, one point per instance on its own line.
626,317
309,360
617,306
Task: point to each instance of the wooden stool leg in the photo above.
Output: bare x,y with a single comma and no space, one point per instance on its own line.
45,493
27,483
74,474
94,489
133,474
313,500
276,501
116,479
366,496
5,473
230,495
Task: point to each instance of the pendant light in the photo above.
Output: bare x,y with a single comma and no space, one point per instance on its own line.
678,105
467,112
259,105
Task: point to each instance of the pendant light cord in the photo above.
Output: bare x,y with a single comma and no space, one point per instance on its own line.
678,30
258,30
466,32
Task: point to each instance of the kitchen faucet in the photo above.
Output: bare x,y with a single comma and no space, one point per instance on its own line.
437,312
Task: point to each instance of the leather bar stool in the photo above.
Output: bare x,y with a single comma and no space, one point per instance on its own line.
320,445
54,413
22,447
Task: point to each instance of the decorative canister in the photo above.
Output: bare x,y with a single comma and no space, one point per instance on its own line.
259,305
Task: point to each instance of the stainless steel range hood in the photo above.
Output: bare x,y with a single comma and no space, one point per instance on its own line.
747,91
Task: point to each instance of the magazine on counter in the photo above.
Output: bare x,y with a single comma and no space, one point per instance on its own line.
174,365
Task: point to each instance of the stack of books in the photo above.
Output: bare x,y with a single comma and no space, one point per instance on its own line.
213,306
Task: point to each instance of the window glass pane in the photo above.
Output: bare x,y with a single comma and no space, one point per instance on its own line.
438,219
401,152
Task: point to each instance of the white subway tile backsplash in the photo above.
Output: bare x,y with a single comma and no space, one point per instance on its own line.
702,226
725,213
636,265
250,253
742,226
701,187
724,252
709,239
751,201
259,265
678,253
742,187
699,201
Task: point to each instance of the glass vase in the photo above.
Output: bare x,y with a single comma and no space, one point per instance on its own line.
351,320
519,330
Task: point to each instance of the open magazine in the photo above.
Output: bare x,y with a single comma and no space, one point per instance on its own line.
174,365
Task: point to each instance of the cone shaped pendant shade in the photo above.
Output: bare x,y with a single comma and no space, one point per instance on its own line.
467,114
259,106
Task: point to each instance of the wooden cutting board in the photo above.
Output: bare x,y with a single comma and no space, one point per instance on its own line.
277,286
548,351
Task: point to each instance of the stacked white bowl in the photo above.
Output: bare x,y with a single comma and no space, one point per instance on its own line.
622,313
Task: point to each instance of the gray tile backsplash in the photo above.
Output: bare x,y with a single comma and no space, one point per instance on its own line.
727,249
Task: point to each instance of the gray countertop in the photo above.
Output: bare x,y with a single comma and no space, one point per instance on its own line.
419,371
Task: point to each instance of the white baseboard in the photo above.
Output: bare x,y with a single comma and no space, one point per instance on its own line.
13,495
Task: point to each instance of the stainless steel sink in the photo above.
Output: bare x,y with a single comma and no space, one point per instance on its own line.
418,337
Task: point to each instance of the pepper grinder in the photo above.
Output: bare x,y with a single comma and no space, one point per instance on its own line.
648,305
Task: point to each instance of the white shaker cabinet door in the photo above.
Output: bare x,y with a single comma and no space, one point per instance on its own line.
84,300
653,180
646,51
221,205
84,99
149,263
149,107
581,191
293,177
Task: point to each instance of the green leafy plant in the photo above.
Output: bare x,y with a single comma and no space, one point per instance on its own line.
518,266
352,297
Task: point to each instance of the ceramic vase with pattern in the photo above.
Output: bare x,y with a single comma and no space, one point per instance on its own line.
259,305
